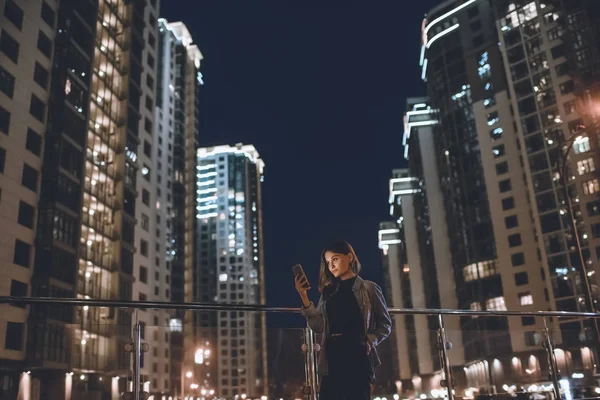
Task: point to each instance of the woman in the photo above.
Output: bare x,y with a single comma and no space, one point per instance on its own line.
353,317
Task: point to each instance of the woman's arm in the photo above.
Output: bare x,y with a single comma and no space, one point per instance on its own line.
314,316
383,322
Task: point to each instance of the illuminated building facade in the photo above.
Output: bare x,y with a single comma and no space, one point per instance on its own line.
513,85
175,144
230,268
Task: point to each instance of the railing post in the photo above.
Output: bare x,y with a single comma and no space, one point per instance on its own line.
137,357
443,346
310,365
549,346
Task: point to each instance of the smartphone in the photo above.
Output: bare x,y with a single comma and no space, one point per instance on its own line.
299,271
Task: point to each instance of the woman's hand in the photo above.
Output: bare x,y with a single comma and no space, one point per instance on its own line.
303,286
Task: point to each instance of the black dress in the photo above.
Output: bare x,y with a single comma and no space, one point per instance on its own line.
346,349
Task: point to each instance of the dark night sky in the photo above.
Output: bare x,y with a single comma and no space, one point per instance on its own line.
320,91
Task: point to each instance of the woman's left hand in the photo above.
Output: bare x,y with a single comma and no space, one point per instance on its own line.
368,348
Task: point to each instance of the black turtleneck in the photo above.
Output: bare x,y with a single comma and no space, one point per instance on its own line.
343,311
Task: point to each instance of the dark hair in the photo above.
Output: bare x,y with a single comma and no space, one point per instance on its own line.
326,278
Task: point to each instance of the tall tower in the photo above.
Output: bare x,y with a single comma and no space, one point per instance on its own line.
84,70
230,268
175,144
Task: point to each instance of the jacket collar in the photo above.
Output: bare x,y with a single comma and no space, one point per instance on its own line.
357,283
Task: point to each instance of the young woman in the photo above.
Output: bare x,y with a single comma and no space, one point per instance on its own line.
353,318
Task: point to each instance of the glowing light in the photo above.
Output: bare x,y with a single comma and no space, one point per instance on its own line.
446,15
189,374
441,34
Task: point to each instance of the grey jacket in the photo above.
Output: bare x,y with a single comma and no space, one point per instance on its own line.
378,323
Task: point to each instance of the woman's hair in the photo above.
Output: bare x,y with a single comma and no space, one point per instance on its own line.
326,278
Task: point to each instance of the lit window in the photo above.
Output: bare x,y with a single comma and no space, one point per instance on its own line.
496,133
475,306
479,270
495,304
525,299
492,118
585,166
581,145
591,186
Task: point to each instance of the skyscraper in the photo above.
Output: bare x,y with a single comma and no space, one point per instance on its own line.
175,144
511,96
417,261
75,121
230,268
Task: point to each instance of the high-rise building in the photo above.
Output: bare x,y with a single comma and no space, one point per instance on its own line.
24,93
77,113
417,258
230,268
512,88
175,144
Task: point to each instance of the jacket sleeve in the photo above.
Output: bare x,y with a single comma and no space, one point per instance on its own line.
383,322
314,316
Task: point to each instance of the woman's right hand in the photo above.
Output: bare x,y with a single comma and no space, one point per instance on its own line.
302,287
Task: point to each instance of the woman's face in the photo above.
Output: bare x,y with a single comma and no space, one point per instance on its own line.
339,264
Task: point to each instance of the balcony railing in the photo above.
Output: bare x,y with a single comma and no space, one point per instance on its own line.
130,348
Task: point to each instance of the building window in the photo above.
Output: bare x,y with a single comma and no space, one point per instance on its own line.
33,142
37,108
15,332
48,14
508,203
9,46
585,166
4,120
525,299
143,274
18,289
13,13
533,339
570,107
26,215
7,83
145,222
498,151
22,253
144,248
591,186
567,87
514,240
581,145
511,221
29,178
527,321
502,168
495,304
146,197
479,270
505,185
496,133
517,259
492,118
521,279
40,76
2,159
44,44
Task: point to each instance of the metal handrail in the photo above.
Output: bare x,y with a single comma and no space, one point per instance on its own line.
265,308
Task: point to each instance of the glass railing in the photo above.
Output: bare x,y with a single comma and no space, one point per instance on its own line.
88,349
